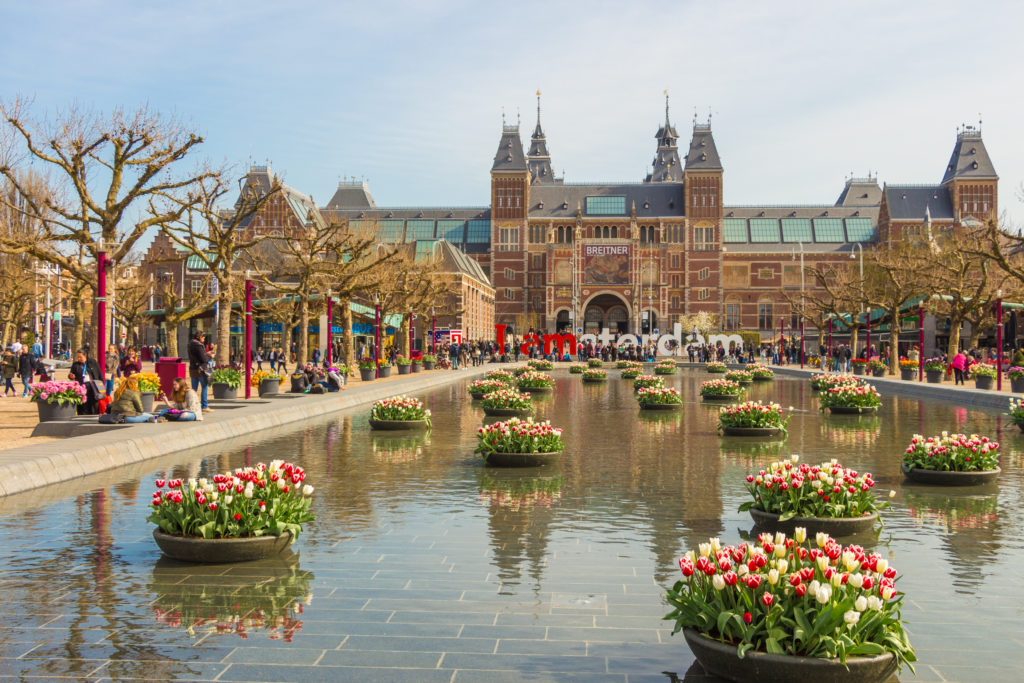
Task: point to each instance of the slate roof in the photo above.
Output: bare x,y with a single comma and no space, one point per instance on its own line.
703,155
860,192
804,211
651,199
970,158
456,261
406,213
909,202
509,158
352,195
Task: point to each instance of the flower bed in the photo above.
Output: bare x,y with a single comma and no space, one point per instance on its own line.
643,381
148,381
828,490
721,387
630,373
907,364
739,376
594,363
658,396
541,364
1014,373
753,415
501,375
577,369
622,364
936,365
668,368
792,596
761,372
982,370
594,375
877,366
519,436
58,393
715,367
507,399
520,370
534,380
399,409
952,453
1016,412
477,388
402,360
257,377
254,501
862,396
825,382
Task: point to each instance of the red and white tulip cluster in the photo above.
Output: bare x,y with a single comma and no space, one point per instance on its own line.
952,453
486,385
760,371
508,399
753,414
715,366
721,387
790,488
797,596
658,396
401,408
519,436
595,373
534,380
251,501
647,381
825,381
502,375
850,395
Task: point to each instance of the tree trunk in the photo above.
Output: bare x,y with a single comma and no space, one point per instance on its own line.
894,341
303,330
78,331
171,343
853,341
403,332
954,341
347,352
224,300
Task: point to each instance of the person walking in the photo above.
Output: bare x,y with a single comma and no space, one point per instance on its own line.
113,361
259,364
86,371
9,368
131,365
959,366
198,362
26,368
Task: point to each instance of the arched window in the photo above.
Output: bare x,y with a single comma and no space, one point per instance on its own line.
615,231
561,234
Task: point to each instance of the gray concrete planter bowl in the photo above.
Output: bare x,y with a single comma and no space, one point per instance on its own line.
720,659
933,376
428,364
858,369
404,369
385,370
507,412
984,382
366,374
269,386
719,398
222,390
51,412
908,375
716,372
1017,385
853,410
878,373
941,478
661,406
147,401
519,459
763,379
398,425
536,390
417,366
595,379
752,431
833,526
220,550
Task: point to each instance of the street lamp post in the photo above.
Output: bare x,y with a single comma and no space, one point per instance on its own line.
376,336
920,343
248,335
433,326
101,307
867,346
330,318
999,340
782,340
412,334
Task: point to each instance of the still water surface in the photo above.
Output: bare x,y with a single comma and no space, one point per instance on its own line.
422,564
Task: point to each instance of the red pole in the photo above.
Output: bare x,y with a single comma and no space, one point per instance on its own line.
867,347
330,312
782,343
801,344
433,326
412,335
376,340
248,338
999,344
920,344
101,312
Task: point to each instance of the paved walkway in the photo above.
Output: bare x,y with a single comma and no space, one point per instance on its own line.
58,460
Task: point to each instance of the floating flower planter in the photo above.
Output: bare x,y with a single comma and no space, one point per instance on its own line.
577,369
594,363
502,376
532,381
752,418
951,460
630,373
540,364
659,398
519,443
800,608
507,403
665,368
826,382
479,388
253,513
825,498
760,373
398,413
718,390
714,367
753,431
740,376
595,375
646,381
850,399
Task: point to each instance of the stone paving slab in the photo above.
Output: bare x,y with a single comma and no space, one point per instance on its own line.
54,462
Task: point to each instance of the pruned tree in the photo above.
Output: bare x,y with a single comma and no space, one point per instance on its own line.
100,172
180,306
705,322
838,296
219,238
132,301
893,276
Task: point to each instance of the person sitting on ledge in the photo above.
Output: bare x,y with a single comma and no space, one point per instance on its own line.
335,382
184,404
127,403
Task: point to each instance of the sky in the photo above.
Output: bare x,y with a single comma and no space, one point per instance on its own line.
409,95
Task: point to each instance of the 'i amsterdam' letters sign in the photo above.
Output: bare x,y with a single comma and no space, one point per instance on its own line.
606,264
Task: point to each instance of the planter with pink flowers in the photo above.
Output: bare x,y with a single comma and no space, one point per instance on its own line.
951,460
57,400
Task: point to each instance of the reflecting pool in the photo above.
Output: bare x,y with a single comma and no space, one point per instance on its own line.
424,565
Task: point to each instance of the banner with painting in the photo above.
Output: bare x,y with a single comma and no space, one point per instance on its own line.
606,264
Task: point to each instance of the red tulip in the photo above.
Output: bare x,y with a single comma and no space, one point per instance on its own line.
730,578
160,483
686,566
767,599
238,517
747,618
801,590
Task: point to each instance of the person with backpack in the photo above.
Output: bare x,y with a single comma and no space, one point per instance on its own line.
9,368
26,368
199,367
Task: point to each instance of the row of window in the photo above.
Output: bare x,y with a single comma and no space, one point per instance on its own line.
455,231
766,230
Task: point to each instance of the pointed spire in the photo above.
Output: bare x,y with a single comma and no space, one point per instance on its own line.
538,157
667,167
667,124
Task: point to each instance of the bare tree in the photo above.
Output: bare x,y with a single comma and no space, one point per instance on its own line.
893,277
132,301
180,307
219,238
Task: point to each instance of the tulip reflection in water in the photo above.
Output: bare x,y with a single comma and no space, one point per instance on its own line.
661,422
518,492
951,511
751,452
266,597
398,450
851,431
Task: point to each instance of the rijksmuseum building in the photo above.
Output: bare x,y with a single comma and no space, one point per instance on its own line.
639,256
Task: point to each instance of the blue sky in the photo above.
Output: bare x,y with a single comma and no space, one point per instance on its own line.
409,94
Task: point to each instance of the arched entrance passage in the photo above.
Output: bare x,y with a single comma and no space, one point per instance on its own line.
562,322
606,310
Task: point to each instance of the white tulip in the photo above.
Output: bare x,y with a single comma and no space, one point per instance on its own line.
822,562
716,545
850,560
800,534
307,490
718,582
202,482
821,539
882,565
874,603
773,576
705,549
213,495
856,580
228,499
824,594
837,579
780,538
813,586
794,458
860,604
742,570
281,484
782,566
851,617
248,493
